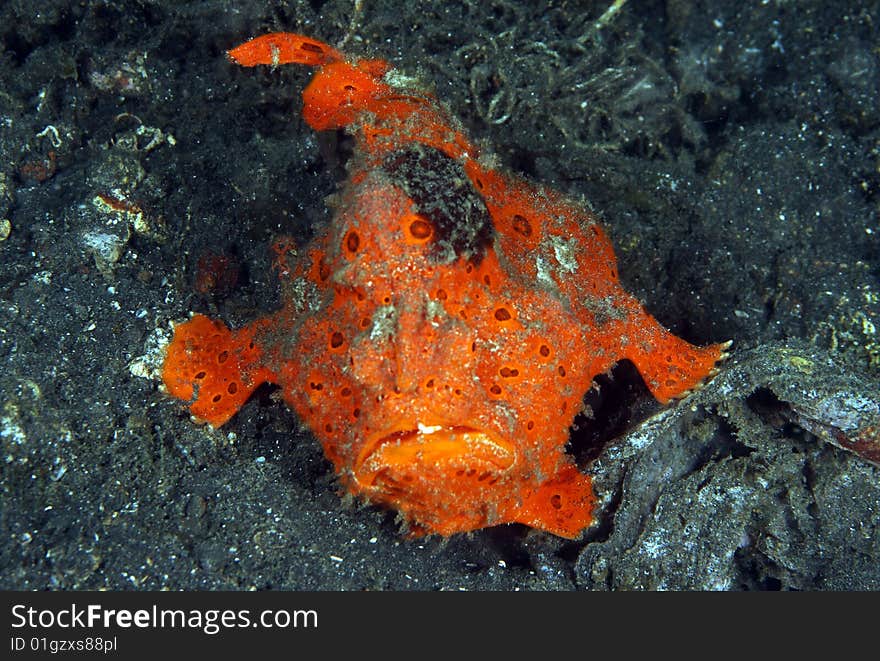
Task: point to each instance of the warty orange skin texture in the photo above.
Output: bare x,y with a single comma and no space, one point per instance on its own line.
439,336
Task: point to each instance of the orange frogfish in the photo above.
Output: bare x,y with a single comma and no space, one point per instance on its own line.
439,336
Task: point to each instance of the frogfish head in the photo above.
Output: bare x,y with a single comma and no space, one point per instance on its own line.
436,380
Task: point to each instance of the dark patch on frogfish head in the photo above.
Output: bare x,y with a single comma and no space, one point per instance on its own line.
443,193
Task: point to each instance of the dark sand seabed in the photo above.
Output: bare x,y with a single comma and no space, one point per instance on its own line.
731,149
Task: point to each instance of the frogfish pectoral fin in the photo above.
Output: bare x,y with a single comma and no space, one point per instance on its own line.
671,367
562,505
213,368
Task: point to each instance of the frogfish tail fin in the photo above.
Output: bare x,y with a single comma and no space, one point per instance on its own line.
284,48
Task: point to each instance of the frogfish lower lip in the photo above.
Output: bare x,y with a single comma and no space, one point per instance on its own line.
405,453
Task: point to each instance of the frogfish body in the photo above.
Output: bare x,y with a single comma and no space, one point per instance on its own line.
439,336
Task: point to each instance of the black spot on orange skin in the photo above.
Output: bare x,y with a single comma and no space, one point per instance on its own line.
521,225
503,314
352,242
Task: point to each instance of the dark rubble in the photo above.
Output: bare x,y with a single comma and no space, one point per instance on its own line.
732,152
